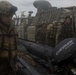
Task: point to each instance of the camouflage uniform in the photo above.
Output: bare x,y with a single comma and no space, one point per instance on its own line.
8,41
7,47
40,36
51,35
64,31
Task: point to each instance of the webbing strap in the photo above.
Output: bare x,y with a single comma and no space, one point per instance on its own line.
3,35
2,43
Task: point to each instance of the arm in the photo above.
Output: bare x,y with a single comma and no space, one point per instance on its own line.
58,34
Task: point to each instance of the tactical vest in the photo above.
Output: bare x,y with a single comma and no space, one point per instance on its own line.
8,43
66,31
53,31
8,51
52,36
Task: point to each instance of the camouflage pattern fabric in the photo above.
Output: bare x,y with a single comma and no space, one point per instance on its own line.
51,35
40,36
7,44
7,8
4,7
63,32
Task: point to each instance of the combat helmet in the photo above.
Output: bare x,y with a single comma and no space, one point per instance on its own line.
7,8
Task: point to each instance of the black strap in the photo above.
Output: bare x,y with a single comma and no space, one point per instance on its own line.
3,35
2,43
